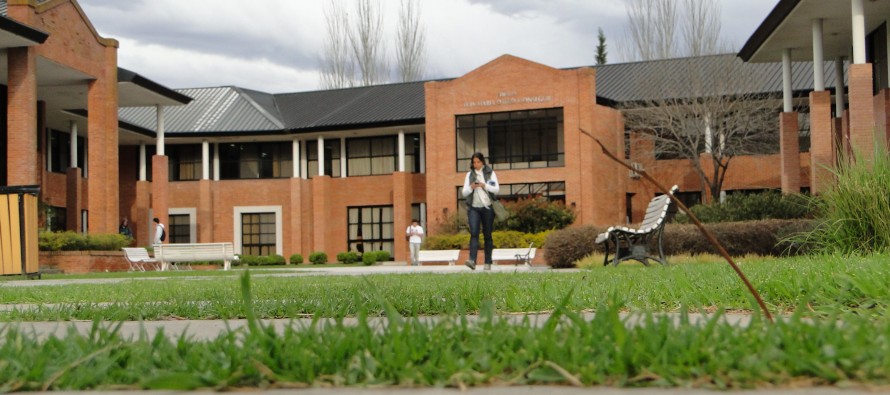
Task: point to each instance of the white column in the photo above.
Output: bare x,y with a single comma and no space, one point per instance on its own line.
320,155
839,86
786,80
818,57
422,152
401,150
858,31
142,166
205,159
304,161
342,157
160,113
215,161
73,127
295,158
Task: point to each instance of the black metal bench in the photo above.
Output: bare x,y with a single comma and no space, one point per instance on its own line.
630,243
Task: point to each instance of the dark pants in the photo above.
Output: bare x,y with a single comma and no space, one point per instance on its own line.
485,217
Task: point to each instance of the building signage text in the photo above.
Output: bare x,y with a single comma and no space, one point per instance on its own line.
508,97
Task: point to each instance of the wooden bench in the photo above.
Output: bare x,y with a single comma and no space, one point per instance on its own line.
139,259
632,243
519,255
169,254
449,256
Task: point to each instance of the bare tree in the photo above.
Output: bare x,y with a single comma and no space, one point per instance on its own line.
706,115
601,48
410,43
337,68
653,27
366,41
701,28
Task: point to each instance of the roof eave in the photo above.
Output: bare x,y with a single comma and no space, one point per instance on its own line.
767,28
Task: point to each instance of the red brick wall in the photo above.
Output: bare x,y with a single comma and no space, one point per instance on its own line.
821,142
592,182
73,262
789,149
862,121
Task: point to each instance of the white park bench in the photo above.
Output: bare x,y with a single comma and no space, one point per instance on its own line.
139,259
449,256
170,254
518,255
632,243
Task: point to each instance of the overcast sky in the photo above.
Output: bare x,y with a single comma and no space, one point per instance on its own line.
274,45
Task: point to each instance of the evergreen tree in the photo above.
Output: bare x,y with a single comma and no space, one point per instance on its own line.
601,48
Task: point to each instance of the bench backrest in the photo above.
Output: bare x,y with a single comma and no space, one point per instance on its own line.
438,255
195,252
657,211
504,254
136,254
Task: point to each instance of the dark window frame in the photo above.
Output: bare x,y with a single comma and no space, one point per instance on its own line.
358,225
252,234
495,135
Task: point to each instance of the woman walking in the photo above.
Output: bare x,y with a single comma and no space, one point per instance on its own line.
479,189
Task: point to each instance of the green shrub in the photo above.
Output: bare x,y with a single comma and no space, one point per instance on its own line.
275,259
296,259
752,207
348,257
369,258
766,237
566,246
502,239
72,241
853,217
382,256
537,214
318,258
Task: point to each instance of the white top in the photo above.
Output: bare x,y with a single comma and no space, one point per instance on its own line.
481,198
158,233
416,233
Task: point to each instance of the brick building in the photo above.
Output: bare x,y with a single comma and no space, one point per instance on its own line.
347,169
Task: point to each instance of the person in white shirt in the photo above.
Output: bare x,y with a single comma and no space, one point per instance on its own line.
159,232
415,237
479,189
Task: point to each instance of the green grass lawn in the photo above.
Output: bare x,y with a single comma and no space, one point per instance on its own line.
834,330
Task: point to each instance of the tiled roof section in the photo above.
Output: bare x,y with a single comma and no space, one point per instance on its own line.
213,110
639,81
372,105
3,7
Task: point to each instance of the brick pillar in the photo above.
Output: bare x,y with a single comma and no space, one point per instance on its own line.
74,198
159,187
402,192
102,135
320,215
204,216
863,136
139,217
294,245
822,146
789,152
882,115
21,126
642,151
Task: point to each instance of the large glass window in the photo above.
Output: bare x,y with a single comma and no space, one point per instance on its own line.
59,158
380,155
186,162
552,191
56,219
258,234
370,228
255,160
331,158
180,229
512,140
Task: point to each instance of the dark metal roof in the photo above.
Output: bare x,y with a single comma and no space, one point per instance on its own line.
769,25
379,105
223,111
624,82
213,111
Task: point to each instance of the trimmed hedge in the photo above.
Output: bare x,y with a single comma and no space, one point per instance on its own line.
752,207
770,237
72,241
501,238
261,260
296,259
348,257
318,258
